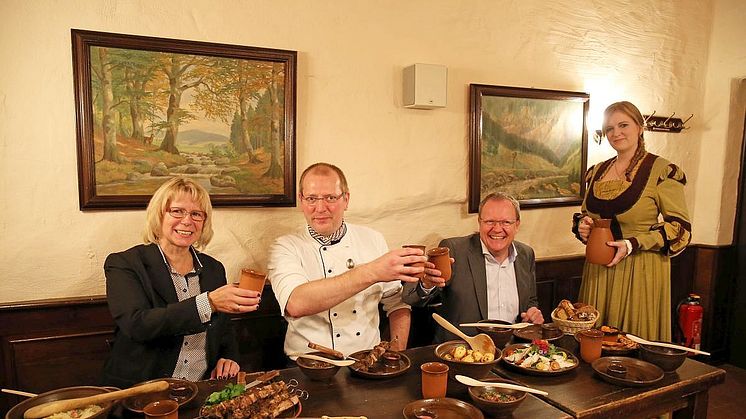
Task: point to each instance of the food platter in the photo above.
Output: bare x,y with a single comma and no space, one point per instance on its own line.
624,347
534,371
380,370
535,331
218,385
443,408
638,372
180,391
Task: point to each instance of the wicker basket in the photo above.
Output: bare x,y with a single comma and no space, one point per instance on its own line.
573,326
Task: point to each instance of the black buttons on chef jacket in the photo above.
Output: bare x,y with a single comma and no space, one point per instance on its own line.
334,314
357,334
330,271
354,311
337,334
323,248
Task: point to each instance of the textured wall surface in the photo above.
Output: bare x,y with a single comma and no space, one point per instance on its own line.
407,168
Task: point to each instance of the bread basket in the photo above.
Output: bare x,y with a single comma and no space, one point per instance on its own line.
574,326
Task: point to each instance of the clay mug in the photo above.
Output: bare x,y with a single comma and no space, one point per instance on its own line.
418,264
441,258
161,409
434,380
252,280
596,249
591,341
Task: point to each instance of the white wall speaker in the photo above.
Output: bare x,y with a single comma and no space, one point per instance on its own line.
425,86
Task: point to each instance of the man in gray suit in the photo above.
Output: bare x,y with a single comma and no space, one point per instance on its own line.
493,275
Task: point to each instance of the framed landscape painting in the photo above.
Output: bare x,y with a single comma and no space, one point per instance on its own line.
528,143
148,109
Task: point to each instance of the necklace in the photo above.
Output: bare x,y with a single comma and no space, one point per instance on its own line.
616,170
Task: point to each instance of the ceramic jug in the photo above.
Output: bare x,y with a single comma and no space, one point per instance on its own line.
596,250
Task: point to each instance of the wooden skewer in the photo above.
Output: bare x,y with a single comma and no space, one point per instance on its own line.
47,409
324,349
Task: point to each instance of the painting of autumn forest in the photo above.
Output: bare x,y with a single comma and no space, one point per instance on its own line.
158,114
532,149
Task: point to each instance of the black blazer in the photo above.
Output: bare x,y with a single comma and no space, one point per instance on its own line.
464,298
151,322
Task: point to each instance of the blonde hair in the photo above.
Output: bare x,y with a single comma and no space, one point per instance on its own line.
161,200
630,110
324,169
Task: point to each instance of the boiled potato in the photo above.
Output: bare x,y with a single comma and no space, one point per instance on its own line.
488,357
467,358
448,357
459,352
478,356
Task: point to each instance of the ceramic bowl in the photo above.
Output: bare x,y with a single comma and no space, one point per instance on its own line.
470,369
493,407
666,358
16,412
316,370
500,336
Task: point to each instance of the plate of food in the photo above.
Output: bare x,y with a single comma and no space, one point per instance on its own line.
539,358
268,399
371,363
441,408
180,391
629,372
616,342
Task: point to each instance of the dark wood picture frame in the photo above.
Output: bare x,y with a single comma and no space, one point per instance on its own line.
247,94
529,143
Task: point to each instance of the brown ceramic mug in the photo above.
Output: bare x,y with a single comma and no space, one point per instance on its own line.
161,409
252,280
441,258
590,344
418,264
434,380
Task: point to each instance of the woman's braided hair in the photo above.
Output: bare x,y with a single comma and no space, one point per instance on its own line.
630,110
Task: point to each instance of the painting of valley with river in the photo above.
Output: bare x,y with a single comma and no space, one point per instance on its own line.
532,149
156,115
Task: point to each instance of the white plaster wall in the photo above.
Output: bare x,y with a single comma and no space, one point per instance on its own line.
722,124
407,168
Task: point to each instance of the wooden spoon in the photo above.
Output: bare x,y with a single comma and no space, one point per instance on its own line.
18,392
476,383
480,342
504,326
665,345
50,408
339,363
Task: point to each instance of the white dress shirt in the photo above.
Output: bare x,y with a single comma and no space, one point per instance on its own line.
350,326
502,289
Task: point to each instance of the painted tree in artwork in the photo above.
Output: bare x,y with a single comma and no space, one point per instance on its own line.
101,69
275,169
233,89
181,72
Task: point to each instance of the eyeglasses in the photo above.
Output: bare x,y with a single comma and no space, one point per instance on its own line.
181,213
329,199
501,223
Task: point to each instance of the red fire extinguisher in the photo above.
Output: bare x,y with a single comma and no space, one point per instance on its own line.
690,321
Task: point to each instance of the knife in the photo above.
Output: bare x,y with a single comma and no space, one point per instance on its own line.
262,378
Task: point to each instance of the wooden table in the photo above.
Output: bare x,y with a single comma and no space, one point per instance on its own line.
348,395
584,395
577,394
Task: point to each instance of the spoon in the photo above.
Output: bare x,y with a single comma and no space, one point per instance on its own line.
665,345
339,363
476,383
504,326
480,342
18,392
50,408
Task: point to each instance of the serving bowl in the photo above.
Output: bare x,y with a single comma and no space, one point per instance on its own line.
16,412
501,336
494,407
316,370
476,370
667,358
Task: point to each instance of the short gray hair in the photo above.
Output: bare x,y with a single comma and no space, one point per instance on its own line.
499,196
